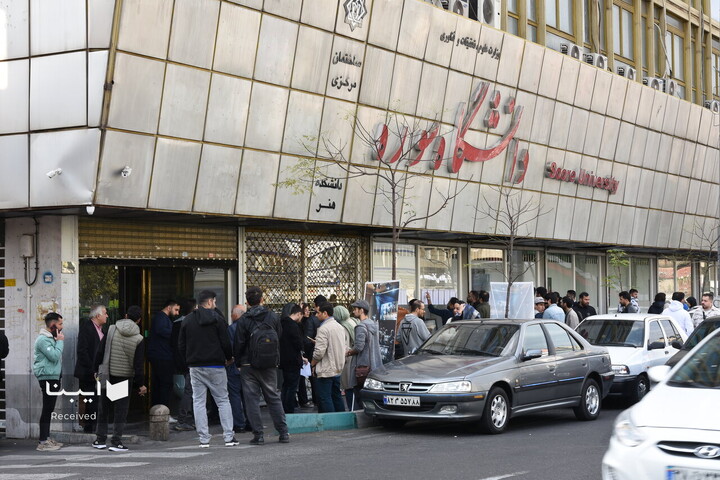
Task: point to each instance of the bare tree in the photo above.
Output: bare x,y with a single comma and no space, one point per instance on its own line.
513,216
402,152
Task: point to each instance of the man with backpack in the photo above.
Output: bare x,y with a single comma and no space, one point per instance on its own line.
413,331
205,345
257,354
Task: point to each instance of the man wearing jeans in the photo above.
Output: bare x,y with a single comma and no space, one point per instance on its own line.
328,360
258,379
205,344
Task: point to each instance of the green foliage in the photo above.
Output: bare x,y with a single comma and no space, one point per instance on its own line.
618,261
300,177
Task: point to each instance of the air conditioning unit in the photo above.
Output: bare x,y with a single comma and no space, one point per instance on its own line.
575,51
653,82
713,105
596,59
627,72
488,12
461,7
671,88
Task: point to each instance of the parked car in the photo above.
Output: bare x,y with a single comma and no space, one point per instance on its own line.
701,331
674,433
636,342
489,371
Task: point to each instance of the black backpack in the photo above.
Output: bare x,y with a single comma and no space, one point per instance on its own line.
264,346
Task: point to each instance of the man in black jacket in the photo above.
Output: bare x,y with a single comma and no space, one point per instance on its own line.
257,380
90,335
291,359
205,345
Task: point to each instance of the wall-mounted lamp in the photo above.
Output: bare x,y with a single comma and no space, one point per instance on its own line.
126,172
53,173
90,209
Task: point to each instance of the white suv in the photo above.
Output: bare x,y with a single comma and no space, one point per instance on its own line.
636,342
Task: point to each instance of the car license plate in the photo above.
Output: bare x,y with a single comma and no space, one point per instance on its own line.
401,401
674,473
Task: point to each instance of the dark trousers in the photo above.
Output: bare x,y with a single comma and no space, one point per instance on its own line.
313,390
257,381
349,396
162,381
48,405
89,409
186,403
291,378
302,391
120,411
235,394
329,394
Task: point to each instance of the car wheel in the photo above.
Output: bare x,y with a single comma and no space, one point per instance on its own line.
590,400
642,387
391,423
496,413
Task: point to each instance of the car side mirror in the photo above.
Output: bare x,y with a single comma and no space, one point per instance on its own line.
656,345
530,354
677,344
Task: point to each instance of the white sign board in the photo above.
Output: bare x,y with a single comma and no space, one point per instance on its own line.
521,300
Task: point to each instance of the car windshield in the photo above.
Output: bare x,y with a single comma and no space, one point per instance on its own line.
702,370
463,339
702,331
613,332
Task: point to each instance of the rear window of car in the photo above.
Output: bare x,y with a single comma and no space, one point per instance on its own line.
613,332
702,369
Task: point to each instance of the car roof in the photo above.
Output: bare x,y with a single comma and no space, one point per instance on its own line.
628,316
496,321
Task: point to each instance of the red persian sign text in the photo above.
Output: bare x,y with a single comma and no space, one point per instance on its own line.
459,149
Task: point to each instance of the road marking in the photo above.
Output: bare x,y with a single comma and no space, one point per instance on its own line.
505,476
39,476
80,465
103,455
195,447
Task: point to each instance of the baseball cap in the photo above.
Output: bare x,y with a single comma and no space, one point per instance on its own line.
361,304
539,300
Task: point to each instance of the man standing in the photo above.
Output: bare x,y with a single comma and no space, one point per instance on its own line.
626,305
571,317
47,366
124,360
484,306
328,360
539,307
706,310
257,353
583,307
185,420
553,311
463,311
676,311
89,337
240,423
413,331
160,354
445,314
205,344
291,359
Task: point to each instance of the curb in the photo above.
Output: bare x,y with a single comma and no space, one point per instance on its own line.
78,438
318,422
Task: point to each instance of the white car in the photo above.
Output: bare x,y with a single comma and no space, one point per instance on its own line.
674,433
635,342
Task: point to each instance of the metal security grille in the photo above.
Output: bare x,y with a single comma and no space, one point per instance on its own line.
101,238
292,266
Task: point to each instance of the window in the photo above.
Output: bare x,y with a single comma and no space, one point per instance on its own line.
535,339
707,277
486,265
623,31
641,280
513,17
595,24
559,15
406,273
524,266
701,371
560,275
438,272
559,338
655,334
670,331
587,275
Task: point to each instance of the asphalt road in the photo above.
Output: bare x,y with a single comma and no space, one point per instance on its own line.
552,445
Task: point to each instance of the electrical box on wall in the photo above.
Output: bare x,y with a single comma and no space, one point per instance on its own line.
27,246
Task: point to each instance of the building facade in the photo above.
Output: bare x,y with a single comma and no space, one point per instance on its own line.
149,148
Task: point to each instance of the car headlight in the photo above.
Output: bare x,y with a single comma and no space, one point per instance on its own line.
451,387
372,384
621,370
627,432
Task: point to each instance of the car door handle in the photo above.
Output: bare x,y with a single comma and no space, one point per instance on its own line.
551,368
666,352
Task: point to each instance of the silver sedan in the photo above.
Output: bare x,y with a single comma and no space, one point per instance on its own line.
489,371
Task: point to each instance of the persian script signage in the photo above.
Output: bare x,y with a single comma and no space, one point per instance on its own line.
582,177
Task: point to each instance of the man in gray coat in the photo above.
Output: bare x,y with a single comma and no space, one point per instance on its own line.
366,350
413,331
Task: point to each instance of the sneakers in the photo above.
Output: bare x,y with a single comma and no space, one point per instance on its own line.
232,443
172,420
284,438
99,445
204,445
118,448
55,442
257,440
47,447
183,427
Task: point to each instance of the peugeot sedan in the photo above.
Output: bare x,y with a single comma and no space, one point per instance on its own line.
674,432
489,371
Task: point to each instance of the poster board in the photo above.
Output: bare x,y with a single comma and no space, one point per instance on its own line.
383,299
521,300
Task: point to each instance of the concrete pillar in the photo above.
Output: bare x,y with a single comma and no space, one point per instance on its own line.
56,288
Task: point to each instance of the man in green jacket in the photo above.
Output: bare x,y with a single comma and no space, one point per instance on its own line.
47,366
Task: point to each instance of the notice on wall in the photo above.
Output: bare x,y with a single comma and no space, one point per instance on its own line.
383,299
521,300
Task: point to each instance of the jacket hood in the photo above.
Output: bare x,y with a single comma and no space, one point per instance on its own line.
258,313
46,333
675,306
127,328
286,310
205,316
